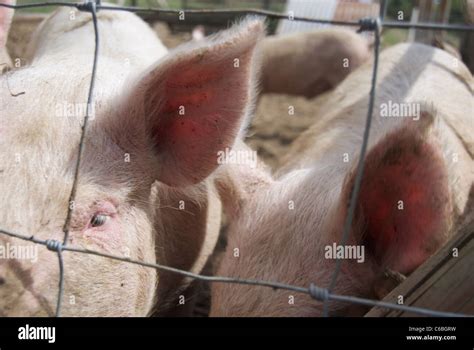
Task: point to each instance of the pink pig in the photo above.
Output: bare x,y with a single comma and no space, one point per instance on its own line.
417,189
311,63
157,126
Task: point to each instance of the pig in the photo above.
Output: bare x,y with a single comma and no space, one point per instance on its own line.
6,15
144,188
417,190
310,63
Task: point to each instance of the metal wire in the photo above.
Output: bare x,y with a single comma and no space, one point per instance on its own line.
248,11
374,25
89,6
317,293
314,291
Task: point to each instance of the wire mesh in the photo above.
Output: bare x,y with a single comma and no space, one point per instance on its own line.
316,292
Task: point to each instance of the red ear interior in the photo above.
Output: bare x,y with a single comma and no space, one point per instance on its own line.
404,201
196,103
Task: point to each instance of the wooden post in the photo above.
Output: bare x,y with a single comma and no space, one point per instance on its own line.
467,47
426,14
413,19
444,11
443,14
383,8
443,283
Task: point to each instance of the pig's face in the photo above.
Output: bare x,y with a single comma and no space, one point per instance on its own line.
287,230
141,153
113,213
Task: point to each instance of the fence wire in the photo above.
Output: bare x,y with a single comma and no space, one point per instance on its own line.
316,292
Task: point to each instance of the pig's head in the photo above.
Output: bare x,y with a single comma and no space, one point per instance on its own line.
147,149
284,230
6,16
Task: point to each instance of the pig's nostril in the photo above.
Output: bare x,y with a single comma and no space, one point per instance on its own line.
2,281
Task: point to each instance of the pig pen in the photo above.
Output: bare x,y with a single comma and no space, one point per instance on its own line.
277,121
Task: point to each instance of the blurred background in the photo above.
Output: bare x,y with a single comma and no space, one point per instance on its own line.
446,11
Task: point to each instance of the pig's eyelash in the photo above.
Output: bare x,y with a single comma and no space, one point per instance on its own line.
98,220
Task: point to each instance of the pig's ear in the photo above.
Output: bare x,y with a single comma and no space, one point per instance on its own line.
237,183
196,100
404,203
6,15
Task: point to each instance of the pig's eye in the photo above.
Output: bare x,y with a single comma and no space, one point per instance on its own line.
98,220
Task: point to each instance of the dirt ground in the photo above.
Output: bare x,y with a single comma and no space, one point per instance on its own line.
278,120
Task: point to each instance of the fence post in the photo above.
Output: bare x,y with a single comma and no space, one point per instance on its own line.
425,14
442,16
467,48
383,9
414,19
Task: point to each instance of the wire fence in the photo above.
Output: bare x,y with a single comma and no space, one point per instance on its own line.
316,292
